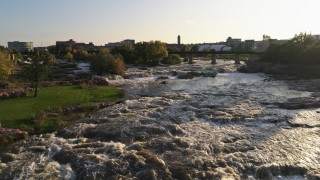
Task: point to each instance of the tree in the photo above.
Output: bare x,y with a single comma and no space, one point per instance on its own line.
36,70
68,56
158,50
151,52
52,49
104,62
67,49
126,50
81,54
186,48
175,59
300,49
2,48
6,66
194,48
118,66
101,62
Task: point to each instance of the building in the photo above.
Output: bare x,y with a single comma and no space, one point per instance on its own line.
179,40
237,44
129,41
21,46
213,47
248,45
233,43
62,45
111,45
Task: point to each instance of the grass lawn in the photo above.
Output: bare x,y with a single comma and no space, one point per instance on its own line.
21,112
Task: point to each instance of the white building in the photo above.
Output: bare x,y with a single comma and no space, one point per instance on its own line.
216,48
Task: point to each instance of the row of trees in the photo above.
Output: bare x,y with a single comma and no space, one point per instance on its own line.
302,49
147,53
66,52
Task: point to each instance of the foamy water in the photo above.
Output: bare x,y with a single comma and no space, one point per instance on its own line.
227,127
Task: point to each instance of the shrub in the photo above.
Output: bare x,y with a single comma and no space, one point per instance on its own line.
119,66
104,62
175,59
165,60
101,62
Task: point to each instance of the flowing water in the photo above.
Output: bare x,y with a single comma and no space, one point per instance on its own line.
227,127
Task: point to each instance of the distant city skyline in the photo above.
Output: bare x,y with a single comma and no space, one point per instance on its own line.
101,21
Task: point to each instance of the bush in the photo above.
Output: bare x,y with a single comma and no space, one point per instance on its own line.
175,59
119,66
103,62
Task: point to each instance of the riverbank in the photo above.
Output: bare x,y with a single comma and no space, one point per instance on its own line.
293,71
53,109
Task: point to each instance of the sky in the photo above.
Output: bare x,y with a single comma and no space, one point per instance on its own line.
197,21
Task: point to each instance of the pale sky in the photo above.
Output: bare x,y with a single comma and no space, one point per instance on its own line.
101,21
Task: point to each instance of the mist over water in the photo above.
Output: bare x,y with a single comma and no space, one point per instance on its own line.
228,127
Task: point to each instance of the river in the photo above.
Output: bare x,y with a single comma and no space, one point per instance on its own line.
228,127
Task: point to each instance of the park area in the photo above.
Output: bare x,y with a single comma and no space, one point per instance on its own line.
55,107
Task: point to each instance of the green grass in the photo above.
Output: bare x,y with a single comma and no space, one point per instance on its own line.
21,112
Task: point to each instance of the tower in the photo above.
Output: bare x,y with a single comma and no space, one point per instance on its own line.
179,40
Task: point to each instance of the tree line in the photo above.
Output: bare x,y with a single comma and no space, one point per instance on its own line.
303,48
142,53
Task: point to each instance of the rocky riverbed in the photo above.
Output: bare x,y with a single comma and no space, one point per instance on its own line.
232,126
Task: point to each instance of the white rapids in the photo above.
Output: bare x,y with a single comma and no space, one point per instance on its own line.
227,127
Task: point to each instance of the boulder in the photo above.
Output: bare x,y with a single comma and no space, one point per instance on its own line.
100,81
264,67
10,135
301,103
114,77
185,76
254,67
174,73
206,72
162,77
221,70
